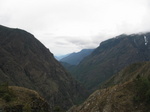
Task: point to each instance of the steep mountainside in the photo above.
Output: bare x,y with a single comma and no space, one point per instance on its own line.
111,56
129,73
131,95
19,99
68,67
75,58
26,62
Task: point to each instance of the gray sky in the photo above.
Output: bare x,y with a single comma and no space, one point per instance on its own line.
66,26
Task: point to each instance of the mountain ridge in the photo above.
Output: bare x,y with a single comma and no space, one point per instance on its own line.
110,57
26,62
76,57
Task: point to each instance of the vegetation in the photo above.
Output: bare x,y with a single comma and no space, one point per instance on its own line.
28,63
5,93
127,91
110,57
143,90
58,109
19,99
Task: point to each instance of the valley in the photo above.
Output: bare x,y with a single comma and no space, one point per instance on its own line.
109,58
113,73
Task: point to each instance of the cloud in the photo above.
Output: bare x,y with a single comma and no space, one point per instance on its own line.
70,25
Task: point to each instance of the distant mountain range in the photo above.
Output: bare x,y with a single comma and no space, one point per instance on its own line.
75,58
61,56
110,57
26,62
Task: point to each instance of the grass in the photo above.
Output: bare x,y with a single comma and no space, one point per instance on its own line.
6,94
143,90
13,97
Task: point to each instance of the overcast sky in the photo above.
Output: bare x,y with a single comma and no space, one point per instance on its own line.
66,26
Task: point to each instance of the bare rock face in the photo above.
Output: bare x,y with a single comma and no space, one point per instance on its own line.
26,62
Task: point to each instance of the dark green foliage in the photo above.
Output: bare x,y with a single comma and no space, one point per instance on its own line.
5,93
57,109
7,97
3,88
143,90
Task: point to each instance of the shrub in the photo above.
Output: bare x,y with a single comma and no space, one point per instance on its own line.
7,97
143,90
3,88
57,109
5,93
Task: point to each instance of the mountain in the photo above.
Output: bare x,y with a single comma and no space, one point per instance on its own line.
75,58
61,56
19,99
110,57
129,73
128,92
26,62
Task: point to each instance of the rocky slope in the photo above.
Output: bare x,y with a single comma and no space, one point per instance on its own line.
75,58
19,99
129,94
26,62
129,73
110,57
